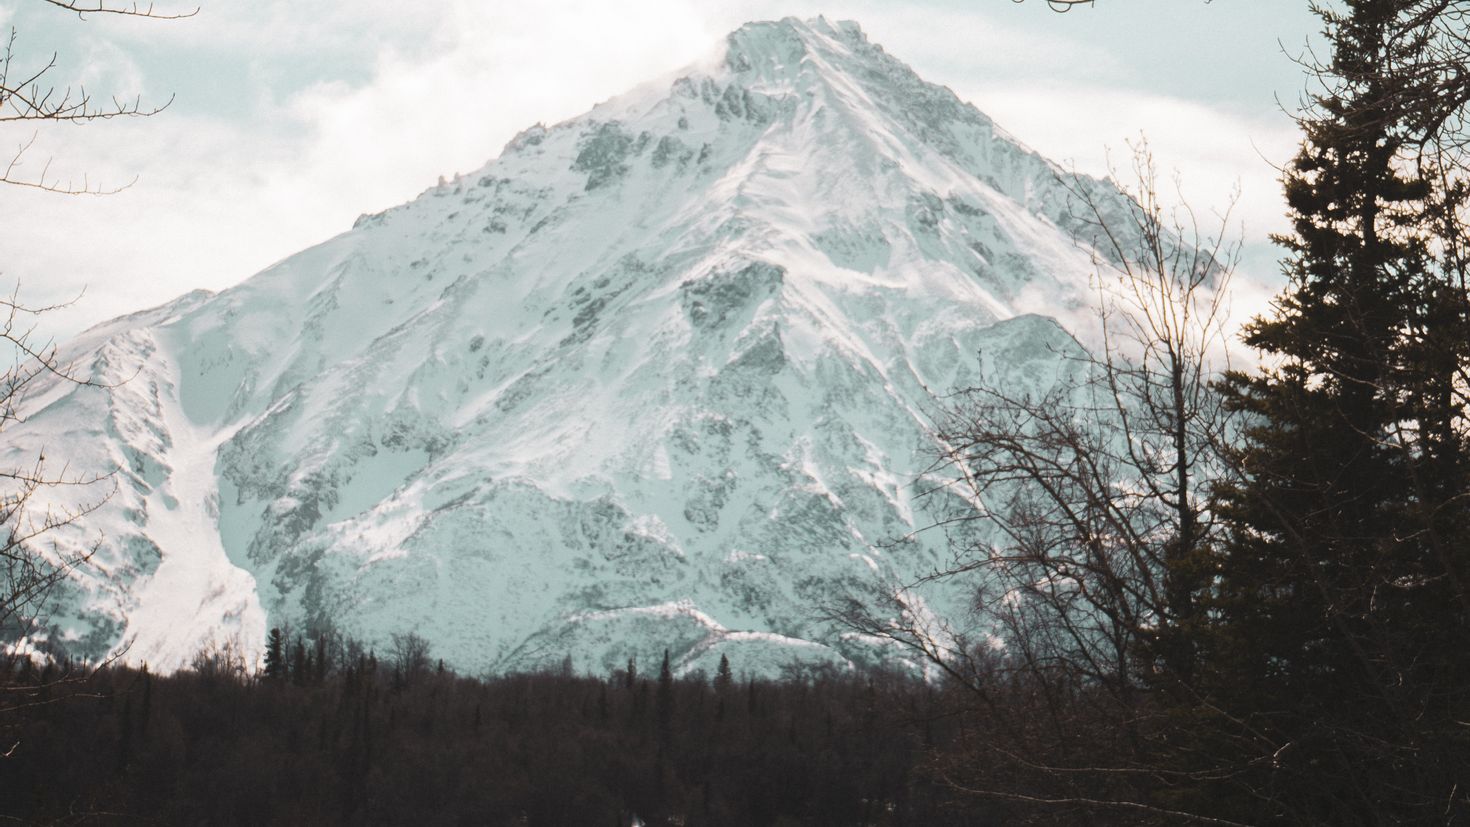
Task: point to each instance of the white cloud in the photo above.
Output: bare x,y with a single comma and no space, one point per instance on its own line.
360,105
217,200
1212,149
107,69
497,73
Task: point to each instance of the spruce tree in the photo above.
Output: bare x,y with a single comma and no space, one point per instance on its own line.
665,703
320,659
1337,656
723,677
275,655
300,663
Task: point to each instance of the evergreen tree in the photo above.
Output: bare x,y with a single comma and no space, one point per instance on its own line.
300,663
320,659
665,703
723,678
275,655
1338,651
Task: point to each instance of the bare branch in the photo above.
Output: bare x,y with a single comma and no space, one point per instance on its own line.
1062,6
133,10
33,97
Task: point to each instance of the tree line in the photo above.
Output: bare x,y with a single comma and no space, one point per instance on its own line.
358,739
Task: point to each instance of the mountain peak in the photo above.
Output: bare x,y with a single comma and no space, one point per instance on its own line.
812,32
654,378
772,48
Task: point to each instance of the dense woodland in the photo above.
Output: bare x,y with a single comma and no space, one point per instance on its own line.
406,742
1235,597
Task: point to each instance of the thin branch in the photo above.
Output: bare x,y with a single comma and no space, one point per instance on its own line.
134,10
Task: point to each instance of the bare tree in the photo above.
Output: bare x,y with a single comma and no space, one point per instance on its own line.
29,572
27,94
220,661
410,656
1090,525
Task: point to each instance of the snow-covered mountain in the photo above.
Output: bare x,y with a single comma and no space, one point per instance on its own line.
658,376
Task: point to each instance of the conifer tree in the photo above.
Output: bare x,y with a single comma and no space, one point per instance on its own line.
665,702
300,665
275,655
1338,652
723,678
320,658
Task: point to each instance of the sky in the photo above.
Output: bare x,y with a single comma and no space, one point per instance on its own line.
287,120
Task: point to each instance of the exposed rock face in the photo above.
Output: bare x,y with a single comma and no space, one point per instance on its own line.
656,377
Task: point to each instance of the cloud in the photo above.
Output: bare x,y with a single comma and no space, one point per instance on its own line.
1211,148
220,197
496,74
106,66
358,106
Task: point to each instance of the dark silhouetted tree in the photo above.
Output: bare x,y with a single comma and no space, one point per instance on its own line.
1343,615
723,677
275,655
665,701
411,658
300,663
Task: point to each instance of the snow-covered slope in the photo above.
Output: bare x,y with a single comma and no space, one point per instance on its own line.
655,377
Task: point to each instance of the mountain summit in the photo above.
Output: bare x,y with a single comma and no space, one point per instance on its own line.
658,376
